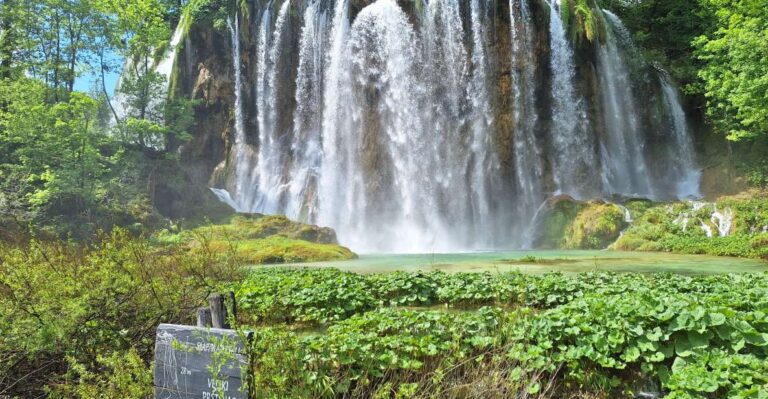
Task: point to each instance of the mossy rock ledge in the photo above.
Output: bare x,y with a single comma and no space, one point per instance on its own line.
267,239
734,225
567,223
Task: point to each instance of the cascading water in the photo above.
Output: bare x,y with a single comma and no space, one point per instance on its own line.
307,119
241,153
624,164
381,89
484,163
574,158
529,168
401,135
685,171
445,57
335,155
270,184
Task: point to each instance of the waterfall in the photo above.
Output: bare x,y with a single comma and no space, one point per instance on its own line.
685,170
484,164
307,119
528,155
722,220
164,68
446,77
422,133
573,160
622,152
335,160
627,213
224,196
240,150
389,185
234,28
270,184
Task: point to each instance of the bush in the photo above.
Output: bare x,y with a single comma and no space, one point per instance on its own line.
678,227
67,311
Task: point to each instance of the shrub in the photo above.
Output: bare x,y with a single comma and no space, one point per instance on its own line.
67,310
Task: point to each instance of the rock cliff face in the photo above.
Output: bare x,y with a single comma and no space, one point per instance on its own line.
413,125
204,73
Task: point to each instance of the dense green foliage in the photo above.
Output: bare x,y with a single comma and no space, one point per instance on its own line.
80,321
665,30
583,21
716,49
735,71
596,333
64,168
320,296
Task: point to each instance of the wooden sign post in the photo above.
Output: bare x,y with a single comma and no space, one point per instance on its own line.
199,363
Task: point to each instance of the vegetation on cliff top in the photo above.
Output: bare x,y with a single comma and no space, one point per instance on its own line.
714,48
583,21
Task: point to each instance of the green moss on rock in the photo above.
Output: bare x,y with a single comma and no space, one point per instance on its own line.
558,213
254,226
259,239
572,224
597,226
280,249
680,227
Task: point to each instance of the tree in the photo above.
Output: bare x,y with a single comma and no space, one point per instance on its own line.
51,153
735,73
59,165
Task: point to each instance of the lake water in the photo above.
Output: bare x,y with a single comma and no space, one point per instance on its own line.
546,261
